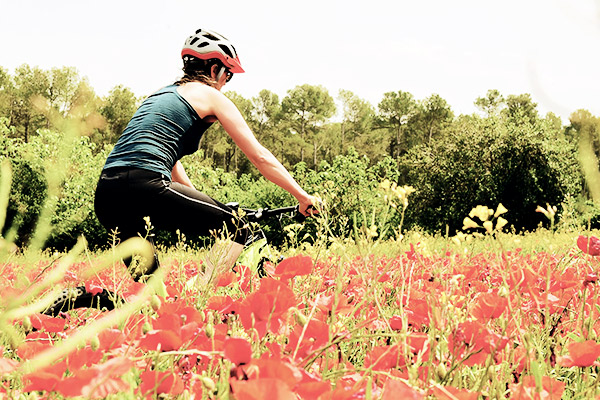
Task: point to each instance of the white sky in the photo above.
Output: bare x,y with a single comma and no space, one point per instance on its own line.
457,49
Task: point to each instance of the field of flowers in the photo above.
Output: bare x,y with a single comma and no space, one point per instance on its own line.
418,324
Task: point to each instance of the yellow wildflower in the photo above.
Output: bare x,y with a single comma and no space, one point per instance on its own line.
500,210
469,223
489,226
500,223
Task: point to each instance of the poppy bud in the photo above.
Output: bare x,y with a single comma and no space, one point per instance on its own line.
527,339
413,372
300,318
440,370
208,383
146,327
503,291
95,343
209,329
155,302
27,324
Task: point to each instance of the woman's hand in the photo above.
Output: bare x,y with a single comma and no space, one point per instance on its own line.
309,206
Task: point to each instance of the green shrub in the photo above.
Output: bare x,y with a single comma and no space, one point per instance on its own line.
489,161
28,191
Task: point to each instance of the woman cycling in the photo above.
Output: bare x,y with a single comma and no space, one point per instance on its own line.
143,176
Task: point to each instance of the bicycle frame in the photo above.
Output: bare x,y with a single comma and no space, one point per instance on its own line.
256,249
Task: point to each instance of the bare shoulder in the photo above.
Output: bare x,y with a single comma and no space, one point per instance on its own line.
200,96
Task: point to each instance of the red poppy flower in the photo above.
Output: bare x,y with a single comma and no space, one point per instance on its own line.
29,350
311,337
294,266
475,338
226,279
338,300
527,389
91,384
237,350
489,306
589,245
452,393
581,354
111,338
171,322
396,389
40,381
97,382
7,365
92,288
83,357
396,323
312,390
264,308
222,304
277,369
262,388
383,358
156,382
47,323
163,339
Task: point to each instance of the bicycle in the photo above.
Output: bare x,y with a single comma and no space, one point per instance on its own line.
256,253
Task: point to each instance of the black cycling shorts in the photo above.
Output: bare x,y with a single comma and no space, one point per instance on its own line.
124,196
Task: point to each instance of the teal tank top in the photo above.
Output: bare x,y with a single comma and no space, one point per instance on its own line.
164,129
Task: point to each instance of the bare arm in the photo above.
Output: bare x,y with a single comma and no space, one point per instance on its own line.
178,175
211,103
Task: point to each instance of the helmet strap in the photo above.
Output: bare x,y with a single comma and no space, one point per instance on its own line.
221,72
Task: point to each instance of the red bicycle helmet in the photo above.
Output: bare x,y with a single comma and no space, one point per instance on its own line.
206,44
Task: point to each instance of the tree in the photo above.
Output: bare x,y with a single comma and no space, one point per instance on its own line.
117,108
521,108
63,83
265,112
435,114
31,86
307,108
585,129
492,103
6,94
357,119
265,121
236,161
396,111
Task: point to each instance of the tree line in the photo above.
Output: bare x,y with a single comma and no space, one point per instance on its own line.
297,128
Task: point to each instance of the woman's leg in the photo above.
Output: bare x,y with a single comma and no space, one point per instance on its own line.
124,199
193,212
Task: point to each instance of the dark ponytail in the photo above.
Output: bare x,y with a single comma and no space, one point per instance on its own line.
198,70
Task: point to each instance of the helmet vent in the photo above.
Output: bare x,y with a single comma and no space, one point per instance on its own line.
194,40
226,50
203,44
211,37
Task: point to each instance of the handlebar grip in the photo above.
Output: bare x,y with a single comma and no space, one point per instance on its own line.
298,217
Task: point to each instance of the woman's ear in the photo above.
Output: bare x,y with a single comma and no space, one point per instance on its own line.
214,71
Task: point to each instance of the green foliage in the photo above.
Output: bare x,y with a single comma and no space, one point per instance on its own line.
117,109
73,214
29,187
489,161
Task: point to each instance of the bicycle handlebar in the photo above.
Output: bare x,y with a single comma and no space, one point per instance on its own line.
264,213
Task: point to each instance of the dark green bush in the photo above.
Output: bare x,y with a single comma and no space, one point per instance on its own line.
487,162
27,196
28,191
